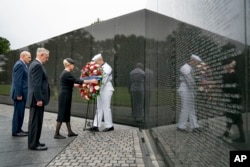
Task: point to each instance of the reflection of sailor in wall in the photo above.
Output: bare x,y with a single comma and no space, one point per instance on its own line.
104,99
187,91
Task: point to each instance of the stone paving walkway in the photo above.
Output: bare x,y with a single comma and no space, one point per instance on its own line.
120,147
125,146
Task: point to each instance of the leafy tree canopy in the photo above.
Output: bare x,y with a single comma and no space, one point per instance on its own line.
4,45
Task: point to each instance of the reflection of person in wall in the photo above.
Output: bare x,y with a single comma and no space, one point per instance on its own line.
136,90
232,93
206,86
149,88
187,91
205,80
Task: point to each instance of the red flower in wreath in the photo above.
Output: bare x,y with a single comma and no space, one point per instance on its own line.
91,71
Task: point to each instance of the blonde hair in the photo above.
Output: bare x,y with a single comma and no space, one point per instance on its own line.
66,63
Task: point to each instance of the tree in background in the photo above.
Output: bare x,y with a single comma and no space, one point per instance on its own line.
4,45
4,49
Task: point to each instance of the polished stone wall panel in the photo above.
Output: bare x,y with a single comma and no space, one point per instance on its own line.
162,42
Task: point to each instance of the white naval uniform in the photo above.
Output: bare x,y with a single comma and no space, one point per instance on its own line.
104,99
187,91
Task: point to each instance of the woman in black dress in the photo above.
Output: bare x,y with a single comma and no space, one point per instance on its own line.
67,82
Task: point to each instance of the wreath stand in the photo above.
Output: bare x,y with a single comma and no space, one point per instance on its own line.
90,122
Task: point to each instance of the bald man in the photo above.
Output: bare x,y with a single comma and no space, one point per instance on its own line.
19,90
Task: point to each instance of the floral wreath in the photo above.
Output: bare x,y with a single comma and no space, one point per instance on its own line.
90,91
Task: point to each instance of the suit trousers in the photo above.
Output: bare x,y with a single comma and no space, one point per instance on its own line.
187,110
103,109
35,126
18,116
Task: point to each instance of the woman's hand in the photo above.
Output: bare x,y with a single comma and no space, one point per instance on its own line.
76,85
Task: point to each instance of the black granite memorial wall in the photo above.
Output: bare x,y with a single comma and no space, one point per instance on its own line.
162,45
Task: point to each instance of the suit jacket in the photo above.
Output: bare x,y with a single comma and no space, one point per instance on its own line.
38,85
19,86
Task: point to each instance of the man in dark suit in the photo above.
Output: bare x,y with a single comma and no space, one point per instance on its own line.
19,91
38,97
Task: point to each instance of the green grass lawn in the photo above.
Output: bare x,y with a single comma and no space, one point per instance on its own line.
5,90
121,96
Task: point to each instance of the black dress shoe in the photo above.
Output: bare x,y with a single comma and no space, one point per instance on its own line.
26,132
40,148
42,144
21,134
72,135
94,128
108,129
59,137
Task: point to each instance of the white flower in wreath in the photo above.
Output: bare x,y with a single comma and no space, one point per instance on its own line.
86,97
91,67
95,72
91,89
201,88
97,87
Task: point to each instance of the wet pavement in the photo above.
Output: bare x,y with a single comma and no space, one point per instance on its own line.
125,146
121,147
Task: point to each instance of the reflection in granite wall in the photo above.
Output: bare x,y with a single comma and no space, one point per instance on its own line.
217,101
161,45
247,62
221,97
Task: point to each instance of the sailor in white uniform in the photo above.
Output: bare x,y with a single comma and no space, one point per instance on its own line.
104,99
187,91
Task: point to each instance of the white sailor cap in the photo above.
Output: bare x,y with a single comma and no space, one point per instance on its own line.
195,57
96,57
